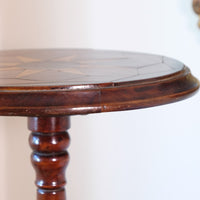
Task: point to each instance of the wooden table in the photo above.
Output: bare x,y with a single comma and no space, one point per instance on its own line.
48,86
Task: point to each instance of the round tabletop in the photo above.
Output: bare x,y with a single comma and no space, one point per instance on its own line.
82,81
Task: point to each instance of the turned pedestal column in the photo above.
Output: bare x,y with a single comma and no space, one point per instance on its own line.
49,141
48,86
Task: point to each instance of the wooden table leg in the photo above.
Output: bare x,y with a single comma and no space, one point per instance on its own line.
49,140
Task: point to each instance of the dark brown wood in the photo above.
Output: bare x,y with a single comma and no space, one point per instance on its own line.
49,140
49,85
69,82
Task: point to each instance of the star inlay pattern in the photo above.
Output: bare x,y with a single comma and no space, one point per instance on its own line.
75,67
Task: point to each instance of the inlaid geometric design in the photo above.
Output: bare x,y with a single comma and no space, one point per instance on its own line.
75,67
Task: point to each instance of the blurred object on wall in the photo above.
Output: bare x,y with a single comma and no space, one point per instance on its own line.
196,7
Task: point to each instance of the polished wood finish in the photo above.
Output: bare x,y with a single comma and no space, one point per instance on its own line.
49,140
68,67
70,82
50,85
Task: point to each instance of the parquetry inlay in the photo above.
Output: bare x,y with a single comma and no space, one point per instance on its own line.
70,67
27,59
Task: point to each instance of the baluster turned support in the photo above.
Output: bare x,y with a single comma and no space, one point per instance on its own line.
49,140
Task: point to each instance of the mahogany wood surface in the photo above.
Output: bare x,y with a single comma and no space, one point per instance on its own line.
49,140
49,85
76,81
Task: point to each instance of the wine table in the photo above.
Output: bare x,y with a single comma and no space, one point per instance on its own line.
50,85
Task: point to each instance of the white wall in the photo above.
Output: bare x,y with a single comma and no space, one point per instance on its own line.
148,154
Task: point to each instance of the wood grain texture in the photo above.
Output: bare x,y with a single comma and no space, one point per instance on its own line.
49,140
76,81
75,67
